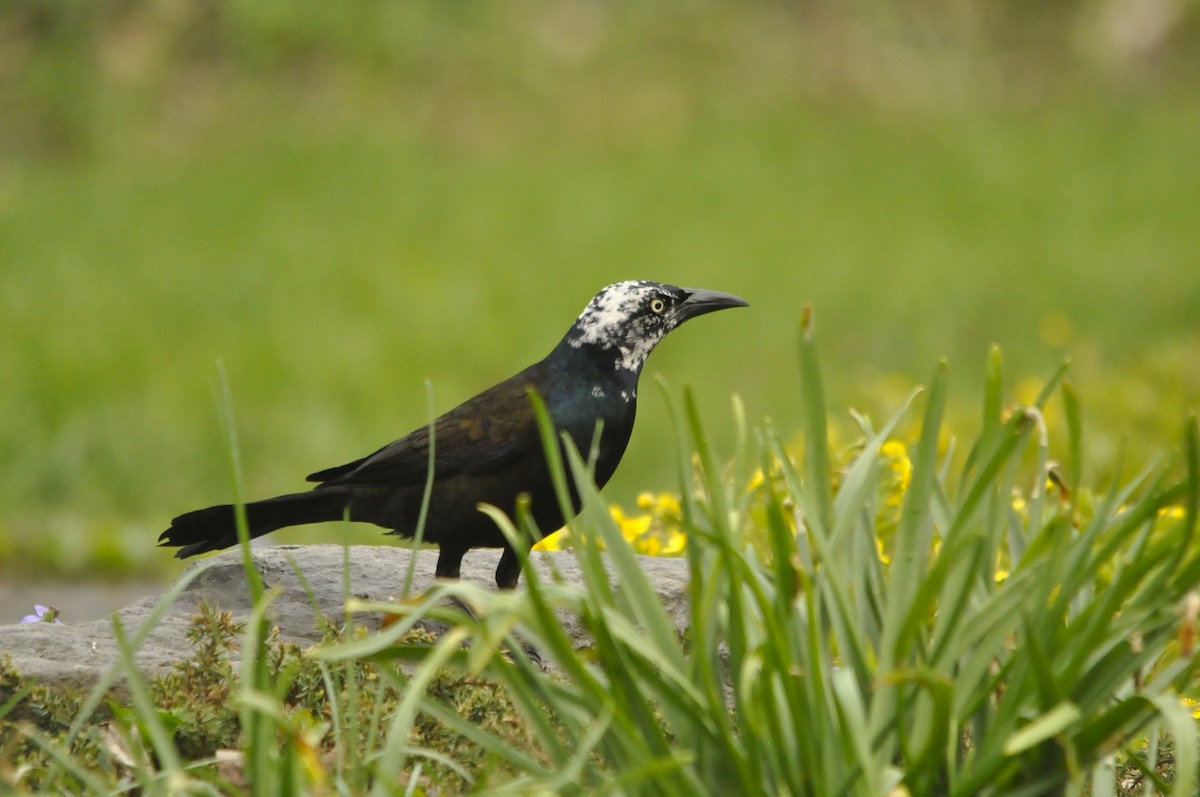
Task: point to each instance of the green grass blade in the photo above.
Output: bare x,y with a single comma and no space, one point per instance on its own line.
817,470
96,696
552,453
471,731
254,581
426,495
1043,727
394,755
1189,576
147,712
914,533
857,484
1178,721
61,755
637,593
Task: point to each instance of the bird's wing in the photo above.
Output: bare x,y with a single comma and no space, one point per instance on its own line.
486,432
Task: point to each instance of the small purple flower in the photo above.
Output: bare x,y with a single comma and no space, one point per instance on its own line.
42,614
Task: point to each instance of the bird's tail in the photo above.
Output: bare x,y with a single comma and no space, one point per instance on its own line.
215,528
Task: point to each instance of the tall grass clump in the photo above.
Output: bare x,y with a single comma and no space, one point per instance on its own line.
992,628
891,620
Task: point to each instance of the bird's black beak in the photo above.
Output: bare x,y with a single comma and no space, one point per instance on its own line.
699,302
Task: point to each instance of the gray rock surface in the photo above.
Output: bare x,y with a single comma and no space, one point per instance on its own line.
79,653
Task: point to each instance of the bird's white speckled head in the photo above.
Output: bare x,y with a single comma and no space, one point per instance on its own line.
628,319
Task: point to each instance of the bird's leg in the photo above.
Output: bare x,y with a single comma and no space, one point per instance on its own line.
449,562
509,569
448,565
507,573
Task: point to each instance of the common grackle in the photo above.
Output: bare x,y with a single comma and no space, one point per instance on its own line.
487,449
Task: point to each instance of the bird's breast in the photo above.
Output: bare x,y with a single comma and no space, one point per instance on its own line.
579,416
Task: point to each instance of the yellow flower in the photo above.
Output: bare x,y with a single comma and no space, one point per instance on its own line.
676,542
631,527
656,532
667,507
758,478
896,454
663,504
648,546
555,541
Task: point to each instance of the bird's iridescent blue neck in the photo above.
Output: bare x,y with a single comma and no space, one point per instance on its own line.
604,367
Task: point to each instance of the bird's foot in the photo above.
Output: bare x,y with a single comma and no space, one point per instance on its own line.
528,649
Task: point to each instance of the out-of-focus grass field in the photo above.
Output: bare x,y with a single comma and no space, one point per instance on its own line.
340,201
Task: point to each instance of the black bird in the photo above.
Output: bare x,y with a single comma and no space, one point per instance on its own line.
487,449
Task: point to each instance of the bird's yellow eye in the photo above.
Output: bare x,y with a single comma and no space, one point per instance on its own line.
657,305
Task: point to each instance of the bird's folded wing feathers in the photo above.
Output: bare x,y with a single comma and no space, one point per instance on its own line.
467,439
407,460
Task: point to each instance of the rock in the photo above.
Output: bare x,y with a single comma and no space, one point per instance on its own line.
78,654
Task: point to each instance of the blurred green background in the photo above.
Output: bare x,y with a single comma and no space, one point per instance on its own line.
342,200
